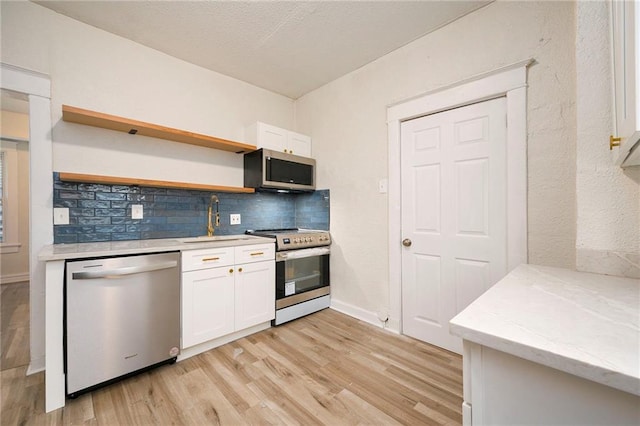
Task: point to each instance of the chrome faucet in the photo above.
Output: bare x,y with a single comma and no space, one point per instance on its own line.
211,226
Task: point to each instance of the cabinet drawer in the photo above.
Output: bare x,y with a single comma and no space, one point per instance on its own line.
206,258
255,253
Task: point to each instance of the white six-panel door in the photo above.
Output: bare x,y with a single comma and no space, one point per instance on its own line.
454,215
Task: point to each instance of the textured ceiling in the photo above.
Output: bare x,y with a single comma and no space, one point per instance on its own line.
288,47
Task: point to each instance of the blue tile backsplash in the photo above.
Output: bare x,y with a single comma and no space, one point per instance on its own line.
100,212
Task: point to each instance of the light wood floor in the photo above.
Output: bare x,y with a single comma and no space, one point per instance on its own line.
326,368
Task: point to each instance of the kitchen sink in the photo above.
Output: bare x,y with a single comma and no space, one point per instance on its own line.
205,239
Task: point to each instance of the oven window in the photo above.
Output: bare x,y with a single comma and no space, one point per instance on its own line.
296,276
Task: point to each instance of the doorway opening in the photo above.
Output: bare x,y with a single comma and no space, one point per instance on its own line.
36,88
14,228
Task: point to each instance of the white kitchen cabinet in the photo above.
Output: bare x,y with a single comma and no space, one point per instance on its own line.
207,304
255,293
502,389
299,144
626,75
226,290
208,258
271,137
255,297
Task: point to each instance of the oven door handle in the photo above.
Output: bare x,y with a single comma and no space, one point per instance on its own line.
302,253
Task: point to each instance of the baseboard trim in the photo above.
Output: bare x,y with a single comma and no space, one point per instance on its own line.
212,344
35,366
608,262
14,278
358,313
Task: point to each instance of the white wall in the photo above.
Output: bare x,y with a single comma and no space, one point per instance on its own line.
347,120
92,69
608,197
14,266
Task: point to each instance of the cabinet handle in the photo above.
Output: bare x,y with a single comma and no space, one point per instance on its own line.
231,271
613,142
239,269
208,259
258,253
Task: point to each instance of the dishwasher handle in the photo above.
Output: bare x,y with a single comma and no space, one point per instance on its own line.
119,272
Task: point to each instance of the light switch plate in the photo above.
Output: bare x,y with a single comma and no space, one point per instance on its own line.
60,216
136,211
234,219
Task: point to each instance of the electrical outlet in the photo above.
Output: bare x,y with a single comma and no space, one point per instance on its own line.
60,216
234,219
136,211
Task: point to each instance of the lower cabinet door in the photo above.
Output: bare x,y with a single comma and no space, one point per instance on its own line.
207,304
255,293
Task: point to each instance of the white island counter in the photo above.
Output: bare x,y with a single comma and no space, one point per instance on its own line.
552,346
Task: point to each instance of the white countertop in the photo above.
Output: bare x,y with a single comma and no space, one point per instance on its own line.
584,324
117,248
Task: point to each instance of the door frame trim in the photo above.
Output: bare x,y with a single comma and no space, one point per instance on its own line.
510,82
37,87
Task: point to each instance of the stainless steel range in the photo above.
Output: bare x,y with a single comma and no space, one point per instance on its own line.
302,271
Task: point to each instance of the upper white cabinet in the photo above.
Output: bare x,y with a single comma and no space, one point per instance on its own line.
271,137
626,74
299,144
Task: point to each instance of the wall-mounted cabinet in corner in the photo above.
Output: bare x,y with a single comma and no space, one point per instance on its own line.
626,75
271,137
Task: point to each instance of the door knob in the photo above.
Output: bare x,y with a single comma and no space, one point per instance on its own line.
406,242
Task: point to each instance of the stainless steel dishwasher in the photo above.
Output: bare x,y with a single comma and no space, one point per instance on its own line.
122,316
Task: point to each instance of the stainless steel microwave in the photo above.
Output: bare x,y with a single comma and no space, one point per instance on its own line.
270,170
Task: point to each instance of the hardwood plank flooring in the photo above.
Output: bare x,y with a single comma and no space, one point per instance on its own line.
324,369
14,321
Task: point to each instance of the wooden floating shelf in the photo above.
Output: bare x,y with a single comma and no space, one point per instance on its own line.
121,124
113,180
